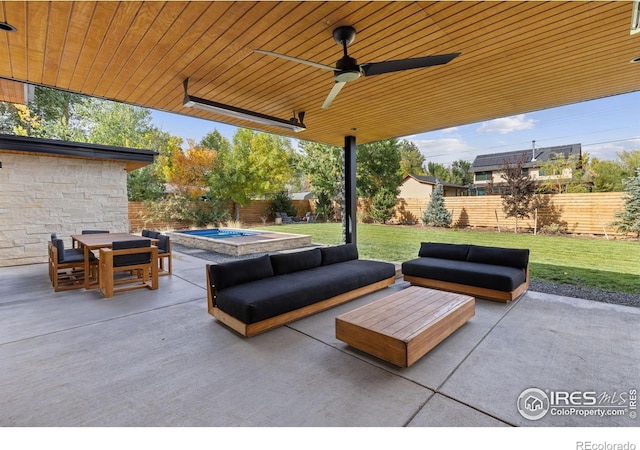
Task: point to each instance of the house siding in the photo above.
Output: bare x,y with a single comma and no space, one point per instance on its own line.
40,195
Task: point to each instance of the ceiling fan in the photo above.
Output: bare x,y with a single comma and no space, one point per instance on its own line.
347,68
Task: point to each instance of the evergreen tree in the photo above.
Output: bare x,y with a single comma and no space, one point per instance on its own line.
436,214
281,202
324,207
630,218
383,205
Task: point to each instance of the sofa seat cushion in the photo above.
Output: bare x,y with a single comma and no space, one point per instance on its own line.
489,276
270,297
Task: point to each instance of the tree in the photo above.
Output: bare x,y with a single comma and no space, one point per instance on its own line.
117,124
322,166
559,173
51,114
383,205
436,214
282,203
411,160
607,175
60,112
256,164
518,191
144,184
378,167
630,218
324,206
630,160
189,171
215,141
460,173
438,170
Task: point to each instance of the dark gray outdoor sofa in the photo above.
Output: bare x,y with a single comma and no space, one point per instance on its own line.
494,273
258,294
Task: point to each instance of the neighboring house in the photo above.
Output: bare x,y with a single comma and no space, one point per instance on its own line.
415,194
301,196
49,186
417,186
487,169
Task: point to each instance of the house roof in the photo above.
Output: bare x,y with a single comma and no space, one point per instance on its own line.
132,157
301,195
495,161
515,57
432,180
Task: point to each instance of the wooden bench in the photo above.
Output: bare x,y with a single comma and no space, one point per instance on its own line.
404,326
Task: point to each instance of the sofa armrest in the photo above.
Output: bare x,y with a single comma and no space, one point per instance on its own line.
211,290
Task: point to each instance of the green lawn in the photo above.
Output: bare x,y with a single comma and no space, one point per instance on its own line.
596,263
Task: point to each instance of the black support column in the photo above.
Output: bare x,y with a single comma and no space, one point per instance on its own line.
349,219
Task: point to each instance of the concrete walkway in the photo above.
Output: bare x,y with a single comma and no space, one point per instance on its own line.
156,358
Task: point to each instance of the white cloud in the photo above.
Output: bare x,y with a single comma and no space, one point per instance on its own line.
507,124
610,150
445,151
449,130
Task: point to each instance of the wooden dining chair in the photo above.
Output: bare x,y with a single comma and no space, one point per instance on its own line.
66,267
131,264
164,252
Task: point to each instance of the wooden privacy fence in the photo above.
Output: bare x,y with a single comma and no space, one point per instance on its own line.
573,213
249,215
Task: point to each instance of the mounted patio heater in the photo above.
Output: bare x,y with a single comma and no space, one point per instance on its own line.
294,124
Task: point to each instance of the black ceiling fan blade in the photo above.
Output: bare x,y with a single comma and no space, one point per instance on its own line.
294,59
406,64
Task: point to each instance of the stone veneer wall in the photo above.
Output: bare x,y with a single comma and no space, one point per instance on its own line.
40,195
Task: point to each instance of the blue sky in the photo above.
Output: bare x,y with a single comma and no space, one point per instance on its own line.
604,127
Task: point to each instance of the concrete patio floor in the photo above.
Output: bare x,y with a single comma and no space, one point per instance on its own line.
156,358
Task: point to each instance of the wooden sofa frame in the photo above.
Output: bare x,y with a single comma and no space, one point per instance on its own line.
251,329
490,294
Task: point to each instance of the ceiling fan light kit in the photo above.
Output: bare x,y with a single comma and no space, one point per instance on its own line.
294,124
347,68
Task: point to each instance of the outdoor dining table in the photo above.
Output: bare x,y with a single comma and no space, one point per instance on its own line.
96,241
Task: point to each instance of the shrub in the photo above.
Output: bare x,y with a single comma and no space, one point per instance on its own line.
630,217
436,214
282,203
383,205
324,206
187,210
553,229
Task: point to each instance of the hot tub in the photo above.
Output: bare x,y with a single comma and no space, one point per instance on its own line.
239,242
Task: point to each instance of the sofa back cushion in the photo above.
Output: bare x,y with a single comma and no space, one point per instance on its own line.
229,274
338,253
510,257
296,261
456,252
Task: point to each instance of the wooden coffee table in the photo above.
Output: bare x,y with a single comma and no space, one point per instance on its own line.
404,326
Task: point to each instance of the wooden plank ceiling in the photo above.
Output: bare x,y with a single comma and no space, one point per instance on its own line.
12,91
516,57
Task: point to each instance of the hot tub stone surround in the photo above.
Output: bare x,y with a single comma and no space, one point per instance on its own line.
264,242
